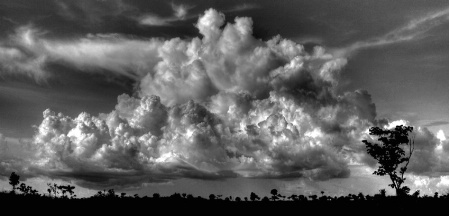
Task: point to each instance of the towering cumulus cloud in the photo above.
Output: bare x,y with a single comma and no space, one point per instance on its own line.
220,106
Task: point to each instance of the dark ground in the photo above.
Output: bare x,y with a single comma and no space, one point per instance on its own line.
20,204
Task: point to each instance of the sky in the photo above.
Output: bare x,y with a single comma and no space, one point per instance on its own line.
225,97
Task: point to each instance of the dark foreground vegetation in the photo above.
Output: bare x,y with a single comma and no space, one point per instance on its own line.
179,204
60,199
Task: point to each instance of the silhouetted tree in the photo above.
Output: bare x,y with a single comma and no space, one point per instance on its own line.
176,196
323,198
27,190
66,189
53,189
302,198
14,181
100,194
23,188
293,197
111,193
390,154
313,197
360,196
212,197
237,199
156,196
253,196
275,194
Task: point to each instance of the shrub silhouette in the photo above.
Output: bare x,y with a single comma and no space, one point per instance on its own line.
390,154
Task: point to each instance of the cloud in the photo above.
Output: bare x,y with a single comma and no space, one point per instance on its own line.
30,52
435,123
180,12
14,60
428,185
93,12
430,156
243,7
415,29
220,106
154,20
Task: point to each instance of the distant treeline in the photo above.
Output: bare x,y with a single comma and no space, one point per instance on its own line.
60,199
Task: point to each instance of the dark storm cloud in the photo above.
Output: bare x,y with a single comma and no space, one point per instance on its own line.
100,179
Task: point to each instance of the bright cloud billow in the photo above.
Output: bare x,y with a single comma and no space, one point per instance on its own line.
220,106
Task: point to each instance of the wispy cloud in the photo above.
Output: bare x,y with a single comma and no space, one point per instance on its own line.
28,51
93,12
14,60
415,29
180,12
435,123
242,7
